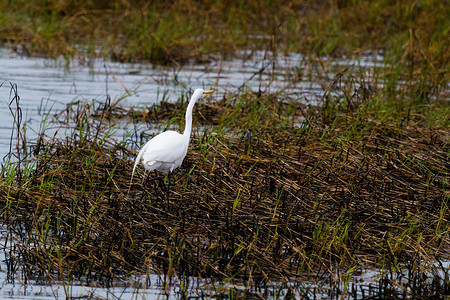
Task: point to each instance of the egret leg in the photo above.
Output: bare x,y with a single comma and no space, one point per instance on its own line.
147,180
159,178
168,188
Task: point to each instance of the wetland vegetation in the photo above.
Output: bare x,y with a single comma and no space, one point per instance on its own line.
275,190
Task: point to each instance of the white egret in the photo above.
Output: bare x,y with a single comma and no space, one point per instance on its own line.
166,151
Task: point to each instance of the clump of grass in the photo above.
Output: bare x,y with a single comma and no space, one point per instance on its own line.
283,191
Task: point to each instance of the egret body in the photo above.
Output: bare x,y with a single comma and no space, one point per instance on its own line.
166,151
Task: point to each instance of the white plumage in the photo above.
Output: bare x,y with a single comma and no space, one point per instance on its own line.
165,152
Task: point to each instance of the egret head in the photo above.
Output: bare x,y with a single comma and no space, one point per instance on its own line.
198,93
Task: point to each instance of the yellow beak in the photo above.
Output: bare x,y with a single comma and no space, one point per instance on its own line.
208,92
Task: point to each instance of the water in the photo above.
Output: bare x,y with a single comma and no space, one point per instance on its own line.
46,85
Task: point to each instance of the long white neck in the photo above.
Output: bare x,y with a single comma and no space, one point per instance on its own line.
188,126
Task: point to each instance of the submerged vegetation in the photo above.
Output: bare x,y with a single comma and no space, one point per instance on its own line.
275,187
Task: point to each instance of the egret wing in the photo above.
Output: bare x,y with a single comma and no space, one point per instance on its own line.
167,147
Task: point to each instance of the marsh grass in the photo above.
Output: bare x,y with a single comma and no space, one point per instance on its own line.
271,189
173,32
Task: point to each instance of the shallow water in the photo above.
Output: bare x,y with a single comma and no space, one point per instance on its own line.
47,86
